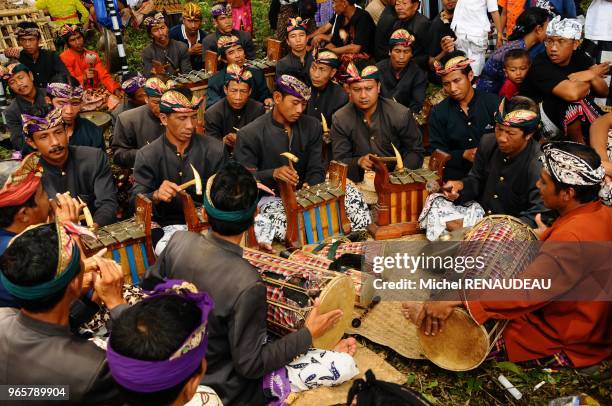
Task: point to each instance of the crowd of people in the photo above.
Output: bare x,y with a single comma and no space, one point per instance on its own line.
523,120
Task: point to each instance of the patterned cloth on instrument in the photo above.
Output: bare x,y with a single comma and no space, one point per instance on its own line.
438,210
271,222
606,190
97,325
314,369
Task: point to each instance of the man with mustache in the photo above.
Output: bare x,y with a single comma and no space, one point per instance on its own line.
28,99
401,79
222,20
165,163
82,171
506,166
164,55
235,110
368,126
564,81
138,127
231,51
43,63
458,122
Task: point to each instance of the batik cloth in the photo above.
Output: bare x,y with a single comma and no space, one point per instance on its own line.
606,190
271,222
438,210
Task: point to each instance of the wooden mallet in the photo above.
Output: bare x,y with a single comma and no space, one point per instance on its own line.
290,158
197,181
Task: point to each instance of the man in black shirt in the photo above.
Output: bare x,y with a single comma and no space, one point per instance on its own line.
506,167
370,125
350,31
164,56
406,16
564,80
28,100
43,63
458,122
441,36
298,59
224,118
326,96
400,77
222,20
82,171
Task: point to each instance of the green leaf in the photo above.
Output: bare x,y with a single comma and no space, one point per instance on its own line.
430,398
410,379
510,366
431,384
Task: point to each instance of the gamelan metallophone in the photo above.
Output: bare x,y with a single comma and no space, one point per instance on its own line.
128,242
401,196
291,288
317,212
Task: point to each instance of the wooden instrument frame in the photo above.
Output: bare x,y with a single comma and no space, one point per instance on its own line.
337,173
382,228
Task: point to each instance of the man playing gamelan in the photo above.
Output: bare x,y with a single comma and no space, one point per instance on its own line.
167,162
82,171
286,129
370,124
240,363
138,127
237,109
23,203
555,328
44,269
232,52
164,55
506,168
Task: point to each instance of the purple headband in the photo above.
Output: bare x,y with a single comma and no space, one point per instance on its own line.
153,376
131,85
65,91
220,9
291,85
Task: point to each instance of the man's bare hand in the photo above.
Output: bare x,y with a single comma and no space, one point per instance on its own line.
601,69
470,154
66,208
196,49
166,192
318,323
447,44
366,162
287,174
108,282
452,189
433,315
230,140
89,73
541,226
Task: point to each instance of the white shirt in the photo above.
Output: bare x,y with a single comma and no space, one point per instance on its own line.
471,18
598,24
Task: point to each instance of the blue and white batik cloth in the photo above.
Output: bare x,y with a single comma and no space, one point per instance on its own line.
438,210
271,222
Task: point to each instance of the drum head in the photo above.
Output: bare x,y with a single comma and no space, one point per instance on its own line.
338,294
461,346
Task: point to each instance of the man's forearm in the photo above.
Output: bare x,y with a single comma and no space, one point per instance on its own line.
347,49
599,86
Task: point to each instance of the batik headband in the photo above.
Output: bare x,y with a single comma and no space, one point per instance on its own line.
27,32
192,11
155,87
568,168
153,376
238,74
176,102
154,20
326,57
22,183
370,72
131,85
220,9
230,216
523,118
570,28
296,24
65,91
65,31
453,64
291,85
11,70
32,124
401,37
225,42
68,263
